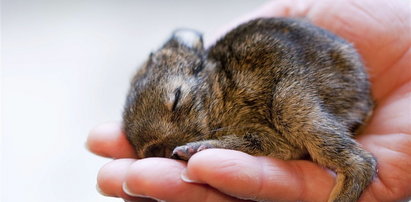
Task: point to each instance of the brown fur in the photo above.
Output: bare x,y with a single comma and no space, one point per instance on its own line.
277,87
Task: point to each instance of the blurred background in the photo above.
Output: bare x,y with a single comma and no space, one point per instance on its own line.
65,68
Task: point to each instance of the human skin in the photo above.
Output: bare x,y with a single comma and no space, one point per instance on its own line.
380,30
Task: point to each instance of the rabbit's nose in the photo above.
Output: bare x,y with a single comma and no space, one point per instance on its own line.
157,151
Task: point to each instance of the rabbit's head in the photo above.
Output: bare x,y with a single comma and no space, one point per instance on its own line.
164,108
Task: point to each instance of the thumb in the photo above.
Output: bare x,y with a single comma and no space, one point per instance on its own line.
259,178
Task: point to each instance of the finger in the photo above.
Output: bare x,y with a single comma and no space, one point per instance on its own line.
108,140
260,178
111,177
160,178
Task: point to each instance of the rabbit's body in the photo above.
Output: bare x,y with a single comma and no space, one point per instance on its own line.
277,87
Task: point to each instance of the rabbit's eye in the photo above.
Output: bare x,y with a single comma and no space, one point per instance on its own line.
173,100
177,96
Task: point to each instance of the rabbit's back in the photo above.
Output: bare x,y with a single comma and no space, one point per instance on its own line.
287,60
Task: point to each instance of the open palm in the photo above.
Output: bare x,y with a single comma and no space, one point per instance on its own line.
380,30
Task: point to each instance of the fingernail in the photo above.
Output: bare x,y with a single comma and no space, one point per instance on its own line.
100,191
331,172
185,178
128,192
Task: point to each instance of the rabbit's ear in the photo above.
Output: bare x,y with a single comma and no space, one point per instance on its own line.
188,37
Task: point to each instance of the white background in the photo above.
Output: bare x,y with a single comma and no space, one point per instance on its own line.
65,67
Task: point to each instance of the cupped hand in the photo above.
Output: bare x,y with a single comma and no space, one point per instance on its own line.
380,30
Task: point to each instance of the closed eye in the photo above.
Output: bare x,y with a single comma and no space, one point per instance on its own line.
177,97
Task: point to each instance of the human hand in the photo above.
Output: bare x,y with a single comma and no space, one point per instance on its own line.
380,30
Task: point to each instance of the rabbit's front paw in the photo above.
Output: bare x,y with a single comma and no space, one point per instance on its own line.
186,151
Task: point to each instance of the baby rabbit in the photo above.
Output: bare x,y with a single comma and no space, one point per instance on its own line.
278,87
